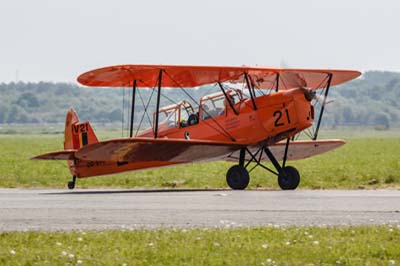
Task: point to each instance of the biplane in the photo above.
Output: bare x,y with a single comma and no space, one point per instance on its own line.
251,125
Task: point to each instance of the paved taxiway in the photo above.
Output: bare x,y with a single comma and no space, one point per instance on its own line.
31,209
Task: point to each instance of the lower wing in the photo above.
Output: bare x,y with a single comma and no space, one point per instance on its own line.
179,151
297,149
144,149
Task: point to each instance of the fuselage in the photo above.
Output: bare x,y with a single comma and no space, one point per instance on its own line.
271,118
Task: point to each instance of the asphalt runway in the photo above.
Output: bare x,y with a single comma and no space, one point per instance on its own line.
32,209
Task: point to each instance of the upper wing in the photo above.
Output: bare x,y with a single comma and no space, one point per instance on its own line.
297,149
193,76
294,78
145,149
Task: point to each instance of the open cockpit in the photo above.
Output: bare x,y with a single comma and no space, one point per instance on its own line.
183,114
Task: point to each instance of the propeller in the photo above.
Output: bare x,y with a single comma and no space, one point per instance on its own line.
293,79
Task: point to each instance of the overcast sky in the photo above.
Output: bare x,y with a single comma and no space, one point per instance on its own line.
56,40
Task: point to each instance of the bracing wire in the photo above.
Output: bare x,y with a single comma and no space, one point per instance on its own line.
129,114
145,109
223,132
145,113
123,111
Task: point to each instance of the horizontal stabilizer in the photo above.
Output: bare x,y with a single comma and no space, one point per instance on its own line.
56,155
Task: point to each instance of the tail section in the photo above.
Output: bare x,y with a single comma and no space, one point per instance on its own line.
76,134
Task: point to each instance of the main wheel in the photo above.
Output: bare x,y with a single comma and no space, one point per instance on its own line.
71,185
237,177
289,179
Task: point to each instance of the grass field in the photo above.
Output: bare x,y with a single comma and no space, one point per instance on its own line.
367,162
378,245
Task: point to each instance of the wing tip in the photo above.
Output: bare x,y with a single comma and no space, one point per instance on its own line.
57,155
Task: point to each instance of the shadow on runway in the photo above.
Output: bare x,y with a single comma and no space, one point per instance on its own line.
123,191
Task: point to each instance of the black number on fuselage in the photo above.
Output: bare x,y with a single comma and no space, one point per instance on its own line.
278,113
287,115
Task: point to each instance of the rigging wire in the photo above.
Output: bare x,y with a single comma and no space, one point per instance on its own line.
310,132
145,106
129,114
283,81
275,84
123,111
223,132
255,86
169,99
320,95
210,89
243,86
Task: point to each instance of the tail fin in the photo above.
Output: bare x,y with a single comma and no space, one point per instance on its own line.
77,135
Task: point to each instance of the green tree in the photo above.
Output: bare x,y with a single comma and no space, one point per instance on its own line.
28,100
382,120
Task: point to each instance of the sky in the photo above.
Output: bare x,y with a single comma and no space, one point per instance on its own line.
56,40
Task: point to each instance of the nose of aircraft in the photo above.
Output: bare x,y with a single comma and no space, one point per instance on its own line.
309,94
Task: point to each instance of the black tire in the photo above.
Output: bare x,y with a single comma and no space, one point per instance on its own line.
237,177
289,179
71,185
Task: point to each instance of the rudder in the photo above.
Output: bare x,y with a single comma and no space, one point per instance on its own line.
77,135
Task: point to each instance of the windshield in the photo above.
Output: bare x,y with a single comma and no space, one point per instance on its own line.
169,117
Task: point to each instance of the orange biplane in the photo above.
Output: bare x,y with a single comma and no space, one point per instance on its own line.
247,125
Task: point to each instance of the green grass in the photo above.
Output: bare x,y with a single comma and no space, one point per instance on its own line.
361,163
377,245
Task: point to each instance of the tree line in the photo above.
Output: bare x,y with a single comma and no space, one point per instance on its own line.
372,99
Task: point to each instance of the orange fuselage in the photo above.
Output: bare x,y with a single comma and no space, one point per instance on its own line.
277,116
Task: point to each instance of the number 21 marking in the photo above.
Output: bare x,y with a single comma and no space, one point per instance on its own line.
278,113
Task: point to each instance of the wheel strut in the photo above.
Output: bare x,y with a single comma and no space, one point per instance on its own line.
288,176
71,184
237,176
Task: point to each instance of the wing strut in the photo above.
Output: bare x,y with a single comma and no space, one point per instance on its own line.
133,107
227,99
277,82
286,151
323,105
158,104
251,90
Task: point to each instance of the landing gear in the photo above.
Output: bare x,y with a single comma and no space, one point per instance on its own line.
71,184
237,177
288,178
